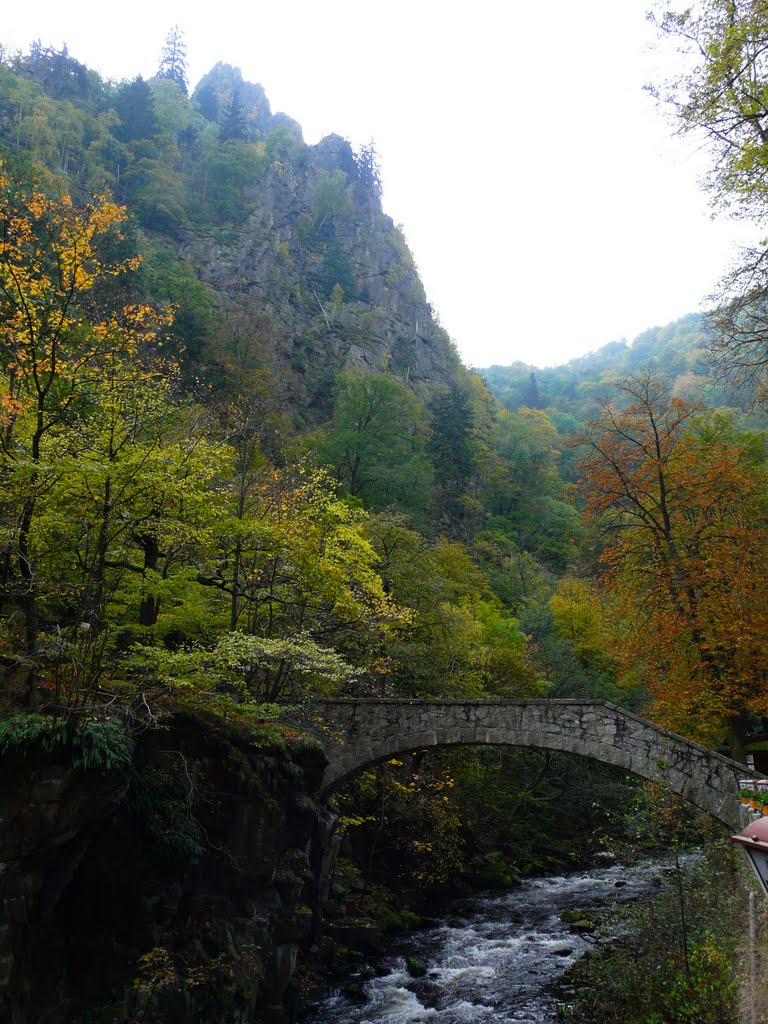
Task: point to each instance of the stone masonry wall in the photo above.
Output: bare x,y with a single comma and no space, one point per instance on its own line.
358,733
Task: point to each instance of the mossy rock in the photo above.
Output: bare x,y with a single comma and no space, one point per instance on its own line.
493,871
583,927
573,916
358,934
415,967
400,920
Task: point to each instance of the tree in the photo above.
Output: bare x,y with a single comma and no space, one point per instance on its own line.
722,96
136,110
679,504
229,172
60,75
53,352
293,559
330,198
233,121
531,396
581,620
368,170
375,443
450,446
173,59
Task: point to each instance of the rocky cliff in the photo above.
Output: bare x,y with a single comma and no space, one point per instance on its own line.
179,890
317,280
277,255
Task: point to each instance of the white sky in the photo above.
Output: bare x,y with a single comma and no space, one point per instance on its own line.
546,204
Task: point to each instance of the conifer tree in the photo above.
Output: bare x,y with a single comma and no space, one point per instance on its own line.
233,122
173,60
136,110
531,396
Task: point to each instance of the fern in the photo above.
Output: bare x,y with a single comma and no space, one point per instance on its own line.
90,745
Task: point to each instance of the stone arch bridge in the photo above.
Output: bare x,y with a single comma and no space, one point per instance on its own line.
364,732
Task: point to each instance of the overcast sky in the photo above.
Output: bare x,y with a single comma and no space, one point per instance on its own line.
547,206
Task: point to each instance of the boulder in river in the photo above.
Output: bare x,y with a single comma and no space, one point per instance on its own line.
415,967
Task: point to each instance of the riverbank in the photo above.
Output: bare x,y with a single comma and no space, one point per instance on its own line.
661,942
492,957
678,955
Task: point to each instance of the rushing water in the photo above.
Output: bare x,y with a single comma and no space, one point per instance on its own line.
494,958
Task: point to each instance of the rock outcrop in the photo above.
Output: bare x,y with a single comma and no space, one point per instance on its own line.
182,888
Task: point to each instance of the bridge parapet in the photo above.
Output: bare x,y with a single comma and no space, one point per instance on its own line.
360,733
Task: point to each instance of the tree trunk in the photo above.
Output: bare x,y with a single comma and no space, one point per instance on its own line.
150,606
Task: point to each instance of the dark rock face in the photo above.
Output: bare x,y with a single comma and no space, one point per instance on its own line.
48,817
212,877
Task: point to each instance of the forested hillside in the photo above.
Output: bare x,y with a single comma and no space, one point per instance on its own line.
270,348
242,461
277,254
242,464
571,393
235,435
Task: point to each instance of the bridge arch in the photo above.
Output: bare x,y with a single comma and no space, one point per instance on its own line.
364,732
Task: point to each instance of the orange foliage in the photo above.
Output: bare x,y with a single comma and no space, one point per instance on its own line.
51,340
55,347
680,507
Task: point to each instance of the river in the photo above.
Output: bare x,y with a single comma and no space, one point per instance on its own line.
492,960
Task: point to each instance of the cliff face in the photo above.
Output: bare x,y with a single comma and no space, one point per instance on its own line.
277,252
179,892
318,280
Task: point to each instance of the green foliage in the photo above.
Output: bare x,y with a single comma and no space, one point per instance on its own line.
375,443
161,799
89,745
226,177
331,196
233,121
704,992
676,962
136,110
247,668
450,446
169,281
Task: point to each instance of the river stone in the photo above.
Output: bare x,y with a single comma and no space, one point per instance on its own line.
415,967
356,934
583,927
355,992
429,994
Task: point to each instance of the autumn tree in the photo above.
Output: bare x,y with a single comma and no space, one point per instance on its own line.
678,503
54,351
